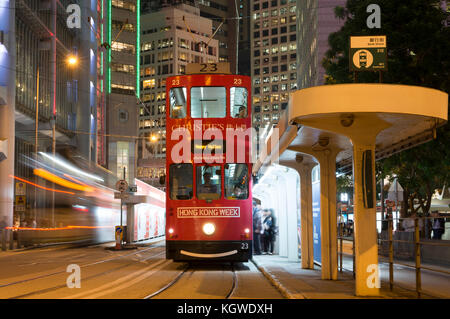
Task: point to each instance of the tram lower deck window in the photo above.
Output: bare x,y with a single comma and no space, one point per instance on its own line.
208,182
181,181
236,181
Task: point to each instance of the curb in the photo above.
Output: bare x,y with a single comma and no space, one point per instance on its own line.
283,290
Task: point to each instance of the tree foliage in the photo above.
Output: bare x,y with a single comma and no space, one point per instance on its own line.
418,44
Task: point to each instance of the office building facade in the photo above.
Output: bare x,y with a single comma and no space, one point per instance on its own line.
273,55
171,38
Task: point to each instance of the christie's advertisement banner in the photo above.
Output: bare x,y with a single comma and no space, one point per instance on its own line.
206,212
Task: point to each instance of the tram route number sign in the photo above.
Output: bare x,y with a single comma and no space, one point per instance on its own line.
368,53
207,68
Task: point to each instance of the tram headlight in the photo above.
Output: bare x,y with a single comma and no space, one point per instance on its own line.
209,228
247,230
171,231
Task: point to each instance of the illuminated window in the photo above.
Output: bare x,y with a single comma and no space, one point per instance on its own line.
148,84
123,4
236,181
122,158
123,47
208,182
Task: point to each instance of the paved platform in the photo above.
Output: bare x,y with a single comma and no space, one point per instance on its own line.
298,283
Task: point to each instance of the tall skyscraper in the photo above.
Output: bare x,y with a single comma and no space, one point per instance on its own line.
171,38
45,103
224,17
122,85
316,20
273,56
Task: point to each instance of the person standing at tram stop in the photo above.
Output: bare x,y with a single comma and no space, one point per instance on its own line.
207,187
257,228
438,225
3,223
269,231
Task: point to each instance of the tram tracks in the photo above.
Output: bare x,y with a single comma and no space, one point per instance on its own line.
190,269
145,254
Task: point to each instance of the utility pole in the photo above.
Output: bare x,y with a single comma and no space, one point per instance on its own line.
36,141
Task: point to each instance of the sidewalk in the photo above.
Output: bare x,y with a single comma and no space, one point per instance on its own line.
297,283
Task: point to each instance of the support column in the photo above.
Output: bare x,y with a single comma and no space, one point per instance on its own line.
7,110
328,217
306,217
366,248
326,156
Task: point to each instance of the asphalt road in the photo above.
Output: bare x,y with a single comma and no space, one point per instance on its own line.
128,274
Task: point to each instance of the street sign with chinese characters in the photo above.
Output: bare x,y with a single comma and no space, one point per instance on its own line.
368,53
21,202
21,189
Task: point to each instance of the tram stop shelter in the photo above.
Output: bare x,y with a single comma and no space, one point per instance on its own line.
348,126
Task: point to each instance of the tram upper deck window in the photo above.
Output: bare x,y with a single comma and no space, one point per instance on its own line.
178,102
236,181
208,102
208,182
238,102
181,181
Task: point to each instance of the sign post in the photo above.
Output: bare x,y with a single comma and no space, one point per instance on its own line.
122,187
368,53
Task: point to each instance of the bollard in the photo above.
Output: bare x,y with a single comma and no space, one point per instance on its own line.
417,248
391,255
353,252
340,257
3,239
11,239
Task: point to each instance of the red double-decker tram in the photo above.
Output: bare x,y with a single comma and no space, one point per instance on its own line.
208,165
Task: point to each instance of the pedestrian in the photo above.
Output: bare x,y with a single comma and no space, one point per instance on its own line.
3,223
269,226
257,228
438,225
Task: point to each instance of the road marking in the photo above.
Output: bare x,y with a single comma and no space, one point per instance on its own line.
122,282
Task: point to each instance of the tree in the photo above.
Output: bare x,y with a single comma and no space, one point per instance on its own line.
418,43
418,48
420,171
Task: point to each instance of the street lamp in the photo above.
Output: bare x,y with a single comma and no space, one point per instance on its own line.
72,60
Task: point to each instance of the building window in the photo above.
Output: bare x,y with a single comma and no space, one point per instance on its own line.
148,84
123,47
122,158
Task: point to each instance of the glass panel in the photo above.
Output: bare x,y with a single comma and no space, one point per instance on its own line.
236,181
238,102
208,102
181,181
208,182
178,103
